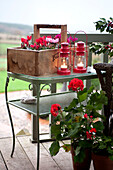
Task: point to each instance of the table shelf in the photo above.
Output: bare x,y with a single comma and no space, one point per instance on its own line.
44,103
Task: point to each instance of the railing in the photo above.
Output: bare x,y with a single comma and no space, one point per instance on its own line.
104,38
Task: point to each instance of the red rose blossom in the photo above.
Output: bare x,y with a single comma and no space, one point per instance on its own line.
55,109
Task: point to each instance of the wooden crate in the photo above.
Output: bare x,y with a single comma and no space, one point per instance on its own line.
33,62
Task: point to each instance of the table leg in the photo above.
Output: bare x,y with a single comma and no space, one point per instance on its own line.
51,118
10,118
34,122
34,129
37,123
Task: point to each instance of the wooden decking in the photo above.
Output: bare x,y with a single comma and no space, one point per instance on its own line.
25,156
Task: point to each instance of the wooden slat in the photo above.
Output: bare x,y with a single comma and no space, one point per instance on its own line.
46,161
47,26
2,164
20,160
63,159
25,156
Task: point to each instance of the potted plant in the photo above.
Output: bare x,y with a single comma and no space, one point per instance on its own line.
103,25
102,156
80,122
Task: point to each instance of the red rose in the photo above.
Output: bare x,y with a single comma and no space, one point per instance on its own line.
55,109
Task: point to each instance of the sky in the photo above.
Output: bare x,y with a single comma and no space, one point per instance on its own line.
77,14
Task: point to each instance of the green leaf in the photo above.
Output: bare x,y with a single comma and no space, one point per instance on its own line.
67,147
73,104
82,97
77,151
111,157
82,92
99,106
80,157
89,107
103,19
75,130
54,149
55,129
90,90
98,125
102,146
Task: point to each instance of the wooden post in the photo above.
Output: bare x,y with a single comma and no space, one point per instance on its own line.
63,33
62,27
36,32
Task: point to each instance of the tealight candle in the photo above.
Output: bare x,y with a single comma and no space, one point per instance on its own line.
80,65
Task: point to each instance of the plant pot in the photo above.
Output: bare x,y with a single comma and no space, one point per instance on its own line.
102,162
85,165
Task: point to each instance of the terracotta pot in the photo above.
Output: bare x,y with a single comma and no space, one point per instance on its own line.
102,162
85,165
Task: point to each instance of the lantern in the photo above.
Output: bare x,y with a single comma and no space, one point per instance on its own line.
80,57
64,60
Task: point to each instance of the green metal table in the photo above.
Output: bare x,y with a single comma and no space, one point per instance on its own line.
44,102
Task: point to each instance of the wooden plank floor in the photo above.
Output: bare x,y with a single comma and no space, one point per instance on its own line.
25,156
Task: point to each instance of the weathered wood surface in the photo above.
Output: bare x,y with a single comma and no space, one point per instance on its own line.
25,156
20,160
31,62
2,163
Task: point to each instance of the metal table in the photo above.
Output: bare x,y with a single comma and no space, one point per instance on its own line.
44,102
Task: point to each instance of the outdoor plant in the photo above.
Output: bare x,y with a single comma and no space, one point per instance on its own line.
80,121
44,42
103,146
103,25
